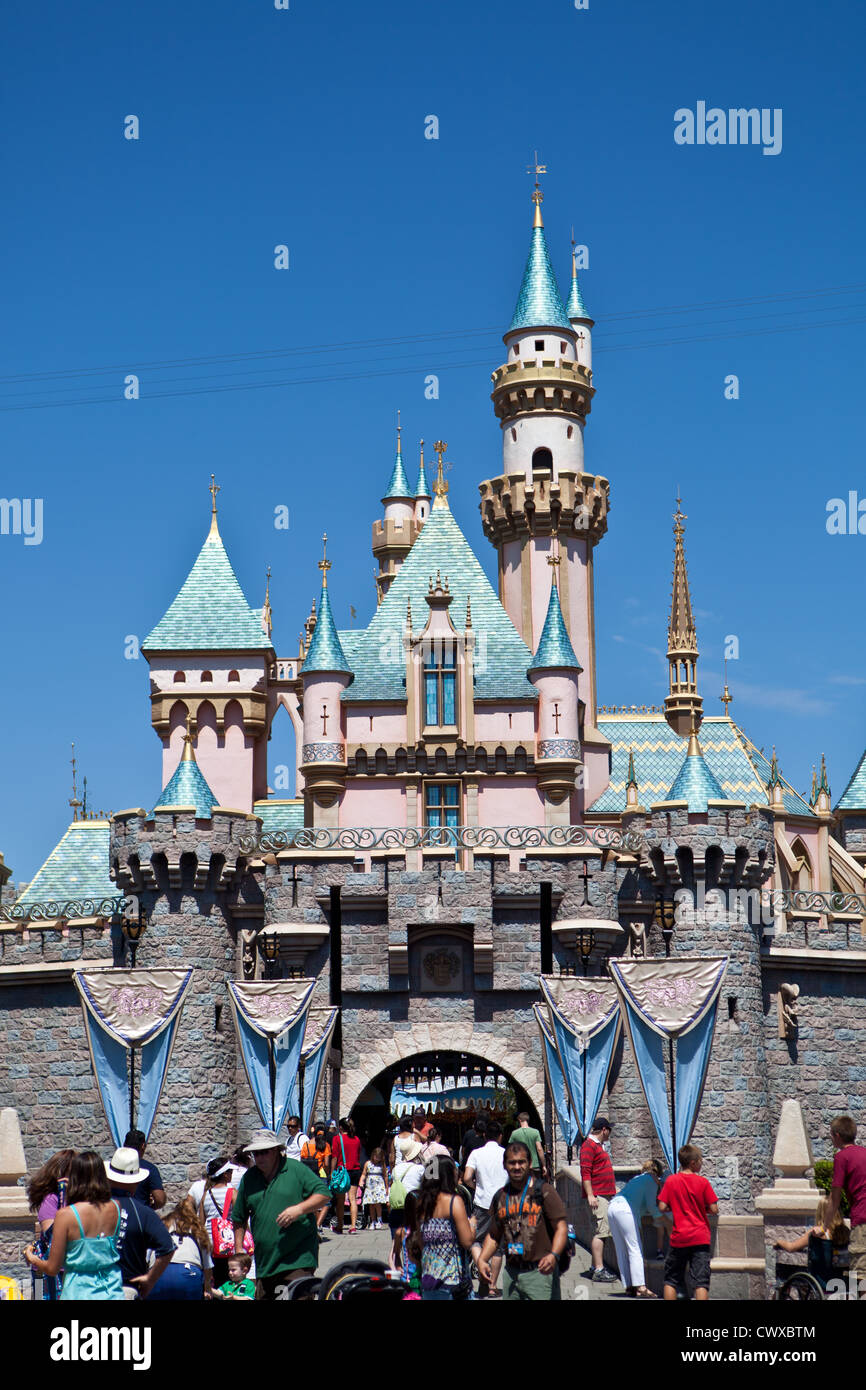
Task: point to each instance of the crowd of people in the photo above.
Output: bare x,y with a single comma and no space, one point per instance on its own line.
482,1221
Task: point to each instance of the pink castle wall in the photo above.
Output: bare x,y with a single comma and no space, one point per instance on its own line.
509,801
373,803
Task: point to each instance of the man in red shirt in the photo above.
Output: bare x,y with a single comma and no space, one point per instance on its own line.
599,1185
849,1176
689,1198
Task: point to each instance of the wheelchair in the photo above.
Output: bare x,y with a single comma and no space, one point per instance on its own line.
810,1285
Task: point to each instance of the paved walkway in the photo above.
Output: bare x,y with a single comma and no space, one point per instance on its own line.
375,1245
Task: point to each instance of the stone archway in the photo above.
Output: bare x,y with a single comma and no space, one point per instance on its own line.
404,1043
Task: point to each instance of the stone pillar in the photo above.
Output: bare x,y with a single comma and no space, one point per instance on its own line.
16,1218
788,1206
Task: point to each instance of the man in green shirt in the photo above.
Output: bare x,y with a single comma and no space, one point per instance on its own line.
279,1199
532,1139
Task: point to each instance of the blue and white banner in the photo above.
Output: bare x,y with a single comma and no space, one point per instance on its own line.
133,1012
555,1079
270,1018
314,1055
669,1007
586,1023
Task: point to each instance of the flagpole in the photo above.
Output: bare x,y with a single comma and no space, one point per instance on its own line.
132,1088
272,1071
673,1101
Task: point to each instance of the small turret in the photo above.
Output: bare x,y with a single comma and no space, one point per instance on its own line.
423,495
775,786
187,786
394,536
554,672
695,783
325,674
578,315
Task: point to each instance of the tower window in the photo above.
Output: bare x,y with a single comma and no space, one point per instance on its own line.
179,678
542,461
562,347
441,804
516,349
440,682
539,345
234,676
569,432
207,675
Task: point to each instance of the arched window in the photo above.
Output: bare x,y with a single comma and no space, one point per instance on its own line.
804,881
440,684
234,676
542,461
179,678
207,675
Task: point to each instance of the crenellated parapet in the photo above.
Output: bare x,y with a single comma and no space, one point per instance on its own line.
574,504
172,849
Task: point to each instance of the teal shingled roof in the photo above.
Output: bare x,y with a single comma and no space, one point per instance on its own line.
853,797
280,815
210,613
502,657
554,646
76,868
740,769
575,308
326,653
539,304
187,787
399,484
695,783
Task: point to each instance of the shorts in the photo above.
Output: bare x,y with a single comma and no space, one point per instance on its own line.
693,1260
600,1223
857,1254
483,1217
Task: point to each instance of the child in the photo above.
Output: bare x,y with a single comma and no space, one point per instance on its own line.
821,1242
689,1198
374,1180
238,1286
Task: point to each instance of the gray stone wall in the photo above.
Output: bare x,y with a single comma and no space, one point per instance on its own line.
824,1065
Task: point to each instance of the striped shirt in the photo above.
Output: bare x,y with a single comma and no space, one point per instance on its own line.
596,1168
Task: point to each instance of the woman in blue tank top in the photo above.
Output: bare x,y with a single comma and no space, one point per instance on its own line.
83,1240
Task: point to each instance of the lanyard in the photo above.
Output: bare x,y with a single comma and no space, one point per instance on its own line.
520,1208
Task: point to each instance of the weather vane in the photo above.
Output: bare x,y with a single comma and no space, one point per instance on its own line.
536,169
324,563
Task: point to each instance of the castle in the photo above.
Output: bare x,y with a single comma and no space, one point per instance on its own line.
466,817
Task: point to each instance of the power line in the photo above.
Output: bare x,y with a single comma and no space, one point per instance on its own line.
409,339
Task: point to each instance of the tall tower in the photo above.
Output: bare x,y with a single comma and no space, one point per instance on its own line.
542,396
325,674
683,704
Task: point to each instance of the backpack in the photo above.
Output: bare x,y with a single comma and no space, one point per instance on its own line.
222,1235
397,1195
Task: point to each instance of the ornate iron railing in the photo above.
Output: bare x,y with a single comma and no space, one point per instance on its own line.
806,900
68,911
473,837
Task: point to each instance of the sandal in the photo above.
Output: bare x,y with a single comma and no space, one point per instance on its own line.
644,1292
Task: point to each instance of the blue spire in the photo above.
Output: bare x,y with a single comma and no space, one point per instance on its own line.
399,484
423,487
539,304
575,308
326,652
554,647
187,786
694,783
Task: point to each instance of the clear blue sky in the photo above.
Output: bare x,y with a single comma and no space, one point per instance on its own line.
306,127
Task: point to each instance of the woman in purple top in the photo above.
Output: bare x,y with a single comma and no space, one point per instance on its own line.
46,1193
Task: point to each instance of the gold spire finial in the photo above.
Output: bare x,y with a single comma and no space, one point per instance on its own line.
399,445
188,756
573,256
324,563
73,800
213,490
727,697
440,487
267,611
554,559
537,195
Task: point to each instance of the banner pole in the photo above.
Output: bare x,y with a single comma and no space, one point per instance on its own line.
272,1071
132,1088
673,1099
